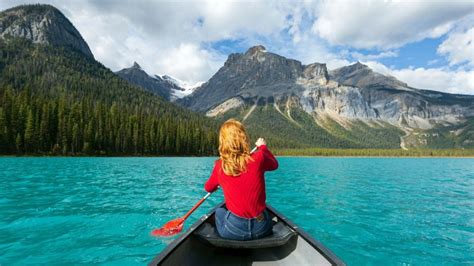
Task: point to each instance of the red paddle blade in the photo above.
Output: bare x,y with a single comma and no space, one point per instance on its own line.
170,228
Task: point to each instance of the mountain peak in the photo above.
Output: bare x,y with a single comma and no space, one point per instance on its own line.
358,65
37,9
137,76
247,75
136,65
256,49
42,24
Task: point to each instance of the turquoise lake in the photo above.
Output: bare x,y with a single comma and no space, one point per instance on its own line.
369,211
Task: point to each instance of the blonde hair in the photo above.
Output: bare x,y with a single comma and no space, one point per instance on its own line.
234,147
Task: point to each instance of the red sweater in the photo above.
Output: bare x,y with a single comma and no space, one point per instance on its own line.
244,194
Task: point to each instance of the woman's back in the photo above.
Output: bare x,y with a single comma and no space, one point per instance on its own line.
245,194
240,174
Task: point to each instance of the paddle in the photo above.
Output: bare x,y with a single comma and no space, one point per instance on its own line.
175,226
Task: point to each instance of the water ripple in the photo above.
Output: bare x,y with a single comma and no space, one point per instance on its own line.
367,210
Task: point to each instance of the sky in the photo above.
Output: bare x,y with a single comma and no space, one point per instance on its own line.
427,44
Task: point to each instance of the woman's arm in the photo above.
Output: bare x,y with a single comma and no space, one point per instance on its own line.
212,183
270,163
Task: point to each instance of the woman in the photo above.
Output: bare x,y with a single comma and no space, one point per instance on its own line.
240,175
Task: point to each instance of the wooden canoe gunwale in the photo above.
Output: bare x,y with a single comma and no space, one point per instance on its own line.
324,251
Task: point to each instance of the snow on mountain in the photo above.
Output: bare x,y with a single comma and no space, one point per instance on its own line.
184,88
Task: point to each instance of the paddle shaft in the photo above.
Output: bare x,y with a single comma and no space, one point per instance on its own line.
196,206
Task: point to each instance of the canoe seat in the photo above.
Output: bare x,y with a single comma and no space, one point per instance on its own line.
281,234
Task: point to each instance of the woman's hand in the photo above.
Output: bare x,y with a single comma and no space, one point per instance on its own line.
260,142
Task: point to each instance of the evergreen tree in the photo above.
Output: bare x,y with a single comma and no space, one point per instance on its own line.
44,131
30,133
3,130
19,143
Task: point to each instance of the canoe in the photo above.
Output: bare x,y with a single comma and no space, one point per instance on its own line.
288,245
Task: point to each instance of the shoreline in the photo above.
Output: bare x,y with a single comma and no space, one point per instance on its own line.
369,156
305,152
276,155
374,153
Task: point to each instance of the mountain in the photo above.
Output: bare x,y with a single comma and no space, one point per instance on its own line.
255,73
184,88
56,99
137,76
166,86
42,24
353,106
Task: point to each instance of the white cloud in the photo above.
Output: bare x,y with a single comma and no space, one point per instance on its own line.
188,61
232,19
175,37
366,57
386,24
459,47
439,79
168,37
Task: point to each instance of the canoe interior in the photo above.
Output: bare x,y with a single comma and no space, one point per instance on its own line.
300,249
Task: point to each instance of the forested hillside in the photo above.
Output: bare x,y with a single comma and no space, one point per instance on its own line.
58,101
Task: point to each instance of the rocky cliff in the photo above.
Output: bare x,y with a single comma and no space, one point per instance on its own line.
42,24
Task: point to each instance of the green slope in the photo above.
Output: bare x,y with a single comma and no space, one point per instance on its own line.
58,101
445,137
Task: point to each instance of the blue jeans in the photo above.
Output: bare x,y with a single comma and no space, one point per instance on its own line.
231,226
